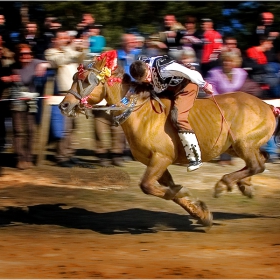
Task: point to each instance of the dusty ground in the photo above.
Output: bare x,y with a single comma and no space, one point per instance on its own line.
96,223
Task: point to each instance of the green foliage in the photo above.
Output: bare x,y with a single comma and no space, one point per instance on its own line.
119,16
147,16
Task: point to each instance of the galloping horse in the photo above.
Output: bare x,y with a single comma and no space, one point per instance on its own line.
240,125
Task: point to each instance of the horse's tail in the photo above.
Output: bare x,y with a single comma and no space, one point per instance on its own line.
276,112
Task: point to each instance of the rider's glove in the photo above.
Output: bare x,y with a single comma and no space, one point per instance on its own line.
208,88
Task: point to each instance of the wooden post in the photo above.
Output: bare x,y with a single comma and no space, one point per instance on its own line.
44,128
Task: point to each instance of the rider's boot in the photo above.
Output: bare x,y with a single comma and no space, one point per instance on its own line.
191,146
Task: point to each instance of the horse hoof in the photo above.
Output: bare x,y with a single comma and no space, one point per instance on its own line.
217,192
247,191
207,219
218,189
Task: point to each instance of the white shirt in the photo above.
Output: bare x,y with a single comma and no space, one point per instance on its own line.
176,69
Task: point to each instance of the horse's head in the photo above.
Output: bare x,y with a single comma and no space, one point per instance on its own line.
89,78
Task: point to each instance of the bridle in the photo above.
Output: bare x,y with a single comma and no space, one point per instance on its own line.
92,78
95,77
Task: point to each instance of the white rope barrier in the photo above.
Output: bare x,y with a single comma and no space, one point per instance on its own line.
56,100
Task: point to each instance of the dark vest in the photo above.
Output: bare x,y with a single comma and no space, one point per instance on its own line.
159,82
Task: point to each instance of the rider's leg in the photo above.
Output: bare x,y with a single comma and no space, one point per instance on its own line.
184,102
192,149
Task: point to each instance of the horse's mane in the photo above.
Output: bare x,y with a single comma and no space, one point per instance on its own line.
99,64
142,89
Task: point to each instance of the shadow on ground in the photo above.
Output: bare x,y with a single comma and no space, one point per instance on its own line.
133,221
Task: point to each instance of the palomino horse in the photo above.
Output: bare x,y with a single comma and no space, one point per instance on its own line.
248,123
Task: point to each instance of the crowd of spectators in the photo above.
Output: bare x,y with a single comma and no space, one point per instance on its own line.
29,57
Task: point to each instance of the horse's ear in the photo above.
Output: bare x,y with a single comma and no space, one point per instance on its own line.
99,63
103,62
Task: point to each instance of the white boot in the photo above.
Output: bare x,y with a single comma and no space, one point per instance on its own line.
192,149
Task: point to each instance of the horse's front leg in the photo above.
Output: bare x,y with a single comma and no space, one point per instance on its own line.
157,172
173,189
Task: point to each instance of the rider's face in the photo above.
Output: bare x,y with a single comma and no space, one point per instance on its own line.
148,77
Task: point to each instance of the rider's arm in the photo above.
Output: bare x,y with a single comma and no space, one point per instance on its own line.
176,69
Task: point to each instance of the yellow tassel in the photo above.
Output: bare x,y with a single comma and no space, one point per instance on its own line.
105,73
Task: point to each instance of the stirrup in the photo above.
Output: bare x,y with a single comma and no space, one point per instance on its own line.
193,165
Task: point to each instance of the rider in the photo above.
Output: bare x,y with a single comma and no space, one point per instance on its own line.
163,73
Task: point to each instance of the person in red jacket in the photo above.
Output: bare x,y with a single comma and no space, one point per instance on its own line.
212,45
262,71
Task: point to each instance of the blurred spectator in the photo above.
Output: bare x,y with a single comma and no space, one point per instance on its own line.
169,35
228,78
24,70
51,24
212,45
5,33
128,51
65,57
110,140
84,26
153,46
5,81
271,148
262,71
191,37
7,57
269,29
230,45
188,56
30,35
72,35
140,41
97,42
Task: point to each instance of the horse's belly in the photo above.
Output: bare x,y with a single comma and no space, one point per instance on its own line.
146,144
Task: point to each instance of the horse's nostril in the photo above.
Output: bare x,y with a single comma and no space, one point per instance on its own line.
64,105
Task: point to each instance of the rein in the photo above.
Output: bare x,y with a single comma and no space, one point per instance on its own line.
230,131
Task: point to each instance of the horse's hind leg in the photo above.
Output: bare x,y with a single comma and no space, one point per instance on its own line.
255,163
173,189
245,185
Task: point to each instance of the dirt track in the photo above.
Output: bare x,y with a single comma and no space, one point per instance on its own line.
96,223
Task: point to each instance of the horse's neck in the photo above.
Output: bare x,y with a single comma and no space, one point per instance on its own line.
114,93
147,111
